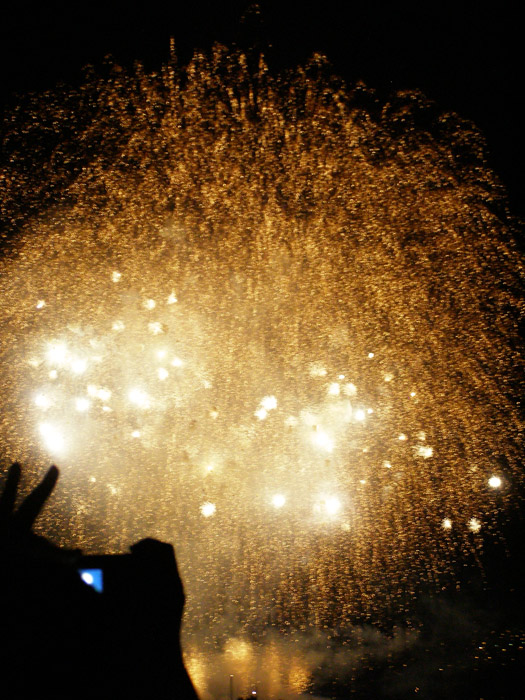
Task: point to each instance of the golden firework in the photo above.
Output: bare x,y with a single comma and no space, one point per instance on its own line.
223,286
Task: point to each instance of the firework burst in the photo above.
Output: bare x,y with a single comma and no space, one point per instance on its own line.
268,320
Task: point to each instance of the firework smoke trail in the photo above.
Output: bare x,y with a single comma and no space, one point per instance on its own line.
252,316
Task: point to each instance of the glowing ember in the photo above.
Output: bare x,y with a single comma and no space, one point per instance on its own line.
474,525
52,438
208,509
82,404
278,500
42,401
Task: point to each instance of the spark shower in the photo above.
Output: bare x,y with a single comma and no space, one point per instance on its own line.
266,318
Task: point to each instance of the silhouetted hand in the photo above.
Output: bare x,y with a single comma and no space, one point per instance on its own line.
22,520
17,540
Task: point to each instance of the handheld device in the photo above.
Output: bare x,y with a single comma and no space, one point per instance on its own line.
107,573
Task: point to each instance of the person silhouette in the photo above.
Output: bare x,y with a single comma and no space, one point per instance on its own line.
59,636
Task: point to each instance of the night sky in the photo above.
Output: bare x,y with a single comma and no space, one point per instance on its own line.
468,61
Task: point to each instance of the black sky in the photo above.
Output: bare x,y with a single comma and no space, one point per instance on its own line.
466,56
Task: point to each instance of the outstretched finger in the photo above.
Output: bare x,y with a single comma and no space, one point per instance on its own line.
8,497
28,512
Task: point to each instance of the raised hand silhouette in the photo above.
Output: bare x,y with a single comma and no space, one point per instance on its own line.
17,539
23,518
